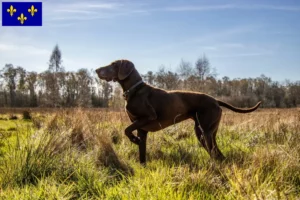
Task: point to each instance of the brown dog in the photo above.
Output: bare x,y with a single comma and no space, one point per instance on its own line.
152,109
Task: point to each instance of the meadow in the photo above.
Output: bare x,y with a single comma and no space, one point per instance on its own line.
84,154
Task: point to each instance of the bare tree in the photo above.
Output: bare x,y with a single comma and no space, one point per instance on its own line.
117,99
203,68
71,89
185,69
84,89
106,92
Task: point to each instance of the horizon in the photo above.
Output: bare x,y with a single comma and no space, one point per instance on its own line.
241,40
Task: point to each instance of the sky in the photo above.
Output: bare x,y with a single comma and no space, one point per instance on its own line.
241,39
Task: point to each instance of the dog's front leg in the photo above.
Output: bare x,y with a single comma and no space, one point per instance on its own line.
142,146
134,126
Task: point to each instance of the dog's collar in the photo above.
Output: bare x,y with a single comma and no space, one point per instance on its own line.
131,90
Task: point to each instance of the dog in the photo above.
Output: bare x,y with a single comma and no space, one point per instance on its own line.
152,109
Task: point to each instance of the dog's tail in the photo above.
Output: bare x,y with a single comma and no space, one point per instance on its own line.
239,110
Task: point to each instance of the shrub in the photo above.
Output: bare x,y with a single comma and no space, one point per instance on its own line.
13,117
26,115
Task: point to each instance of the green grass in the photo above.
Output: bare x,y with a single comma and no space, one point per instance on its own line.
84,155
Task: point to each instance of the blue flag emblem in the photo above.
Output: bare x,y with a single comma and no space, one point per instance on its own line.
21,13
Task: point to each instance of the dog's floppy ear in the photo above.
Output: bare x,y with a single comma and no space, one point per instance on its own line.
125,69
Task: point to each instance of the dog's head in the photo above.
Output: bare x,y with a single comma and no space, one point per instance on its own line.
117,70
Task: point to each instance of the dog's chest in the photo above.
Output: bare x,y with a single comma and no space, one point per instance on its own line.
132,111
131,116
135,109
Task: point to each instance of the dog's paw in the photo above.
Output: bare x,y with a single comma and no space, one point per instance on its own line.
135,140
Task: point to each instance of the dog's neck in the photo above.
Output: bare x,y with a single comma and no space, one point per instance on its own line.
130,81
130,85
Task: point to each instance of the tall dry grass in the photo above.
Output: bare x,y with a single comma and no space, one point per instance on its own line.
79,153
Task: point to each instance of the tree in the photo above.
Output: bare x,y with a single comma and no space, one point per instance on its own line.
22,78
3,94
226,86
102,93
185,69
53,78
31,80
278,94
71,89
84,90
106,92
168,80
203,68
55,60
10,75
149,77
51,89
117,100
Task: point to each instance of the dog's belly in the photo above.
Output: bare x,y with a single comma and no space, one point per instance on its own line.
160,124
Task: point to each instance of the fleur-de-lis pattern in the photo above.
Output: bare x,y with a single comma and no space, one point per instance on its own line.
22,18
11,10
22,13
32,10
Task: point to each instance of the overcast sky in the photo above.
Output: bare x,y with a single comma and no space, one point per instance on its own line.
240,38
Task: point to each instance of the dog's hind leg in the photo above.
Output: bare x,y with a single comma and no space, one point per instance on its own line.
216,153
206,127
199,133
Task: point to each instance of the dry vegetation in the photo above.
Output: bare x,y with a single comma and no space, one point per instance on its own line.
83,154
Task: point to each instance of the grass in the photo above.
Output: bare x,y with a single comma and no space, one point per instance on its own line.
83,154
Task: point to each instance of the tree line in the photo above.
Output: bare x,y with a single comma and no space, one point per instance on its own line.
56,87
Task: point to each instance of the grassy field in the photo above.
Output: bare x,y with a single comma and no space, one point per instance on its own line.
83,154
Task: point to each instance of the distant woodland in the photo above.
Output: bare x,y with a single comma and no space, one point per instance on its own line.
56,87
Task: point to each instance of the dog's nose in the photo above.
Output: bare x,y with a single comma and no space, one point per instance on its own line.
100,72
